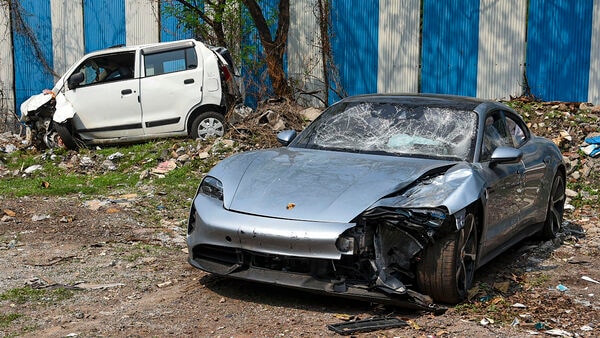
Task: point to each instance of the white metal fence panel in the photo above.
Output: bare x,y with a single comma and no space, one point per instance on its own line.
305,64
594,81
7,95
141,21
398,58
501,58
67,33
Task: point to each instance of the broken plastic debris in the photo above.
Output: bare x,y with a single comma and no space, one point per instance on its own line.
589,279
561,288
515,322
559,333
519,305
586,328
366,325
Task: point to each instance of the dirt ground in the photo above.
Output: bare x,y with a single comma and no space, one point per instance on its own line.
125,275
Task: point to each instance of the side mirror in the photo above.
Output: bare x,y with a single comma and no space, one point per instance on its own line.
286,137
505,155
75,80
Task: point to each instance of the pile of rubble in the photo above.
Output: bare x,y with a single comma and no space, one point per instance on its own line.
570,126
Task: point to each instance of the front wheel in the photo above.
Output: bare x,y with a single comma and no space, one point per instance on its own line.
448,265
207,125
65,136
556,208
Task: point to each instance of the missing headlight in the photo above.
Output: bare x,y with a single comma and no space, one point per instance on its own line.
212,187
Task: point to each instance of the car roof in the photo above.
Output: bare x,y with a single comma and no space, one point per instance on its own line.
420,99
123,48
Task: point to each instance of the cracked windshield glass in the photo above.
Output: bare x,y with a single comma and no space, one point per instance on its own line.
395,129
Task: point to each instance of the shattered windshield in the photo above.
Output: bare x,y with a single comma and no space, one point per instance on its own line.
393,129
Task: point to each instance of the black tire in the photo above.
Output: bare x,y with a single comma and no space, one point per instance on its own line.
207,125
448,265
66,137
556,208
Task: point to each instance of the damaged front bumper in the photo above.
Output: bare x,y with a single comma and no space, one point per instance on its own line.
370,260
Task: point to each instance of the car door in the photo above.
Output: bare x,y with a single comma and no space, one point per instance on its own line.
505,185
170,87
106,101
533,208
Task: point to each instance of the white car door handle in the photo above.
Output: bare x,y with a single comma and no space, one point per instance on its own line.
188,81
126,91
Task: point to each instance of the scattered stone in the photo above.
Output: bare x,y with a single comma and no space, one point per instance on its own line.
32,168
183,158
108,165
115,156
310,114
37,218
86,161
571,193
203,155
10,148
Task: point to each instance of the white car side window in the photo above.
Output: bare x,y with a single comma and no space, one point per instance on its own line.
170,61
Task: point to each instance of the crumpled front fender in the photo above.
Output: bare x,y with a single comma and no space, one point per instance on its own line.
64,109
456,189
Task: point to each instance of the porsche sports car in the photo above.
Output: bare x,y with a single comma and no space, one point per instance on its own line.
389,198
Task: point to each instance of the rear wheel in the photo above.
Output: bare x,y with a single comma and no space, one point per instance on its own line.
207,125
556,207
448,266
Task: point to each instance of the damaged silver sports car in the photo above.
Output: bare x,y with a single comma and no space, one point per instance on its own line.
388,198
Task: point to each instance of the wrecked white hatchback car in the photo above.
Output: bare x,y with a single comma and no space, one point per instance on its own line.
388,198
134,93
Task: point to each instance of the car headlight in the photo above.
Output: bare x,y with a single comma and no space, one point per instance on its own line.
430,217
212,187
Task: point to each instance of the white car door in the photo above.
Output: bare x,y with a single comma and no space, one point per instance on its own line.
171,85
106,102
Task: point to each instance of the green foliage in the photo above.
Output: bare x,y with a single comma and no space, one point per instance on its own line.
7,318
59,177
27,294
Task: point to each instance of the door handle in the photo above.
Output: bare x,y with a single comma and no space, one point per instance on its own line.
126,91
188,81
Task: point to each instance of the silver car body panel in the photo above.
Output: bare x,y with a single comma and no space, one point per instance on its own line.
342,185
217,226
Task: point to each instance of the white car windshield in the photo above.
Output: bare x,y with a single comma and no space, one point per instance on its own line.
393,129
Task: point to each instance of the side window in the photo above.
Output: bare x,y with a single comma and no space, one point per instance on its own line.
495,134
170,61
517,131
105,68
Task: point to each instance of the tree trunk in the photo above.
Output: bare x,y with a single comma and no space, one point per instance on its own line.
274,48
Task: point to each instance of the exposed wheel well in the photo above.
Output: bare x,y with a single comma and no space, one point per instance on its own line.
477,209
202,109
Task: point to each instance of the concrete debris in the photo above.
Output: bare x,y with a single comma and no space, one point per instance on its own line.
310,114
32,168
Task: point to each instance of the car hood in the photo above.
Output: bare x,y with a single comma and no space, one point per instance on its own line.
316,185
